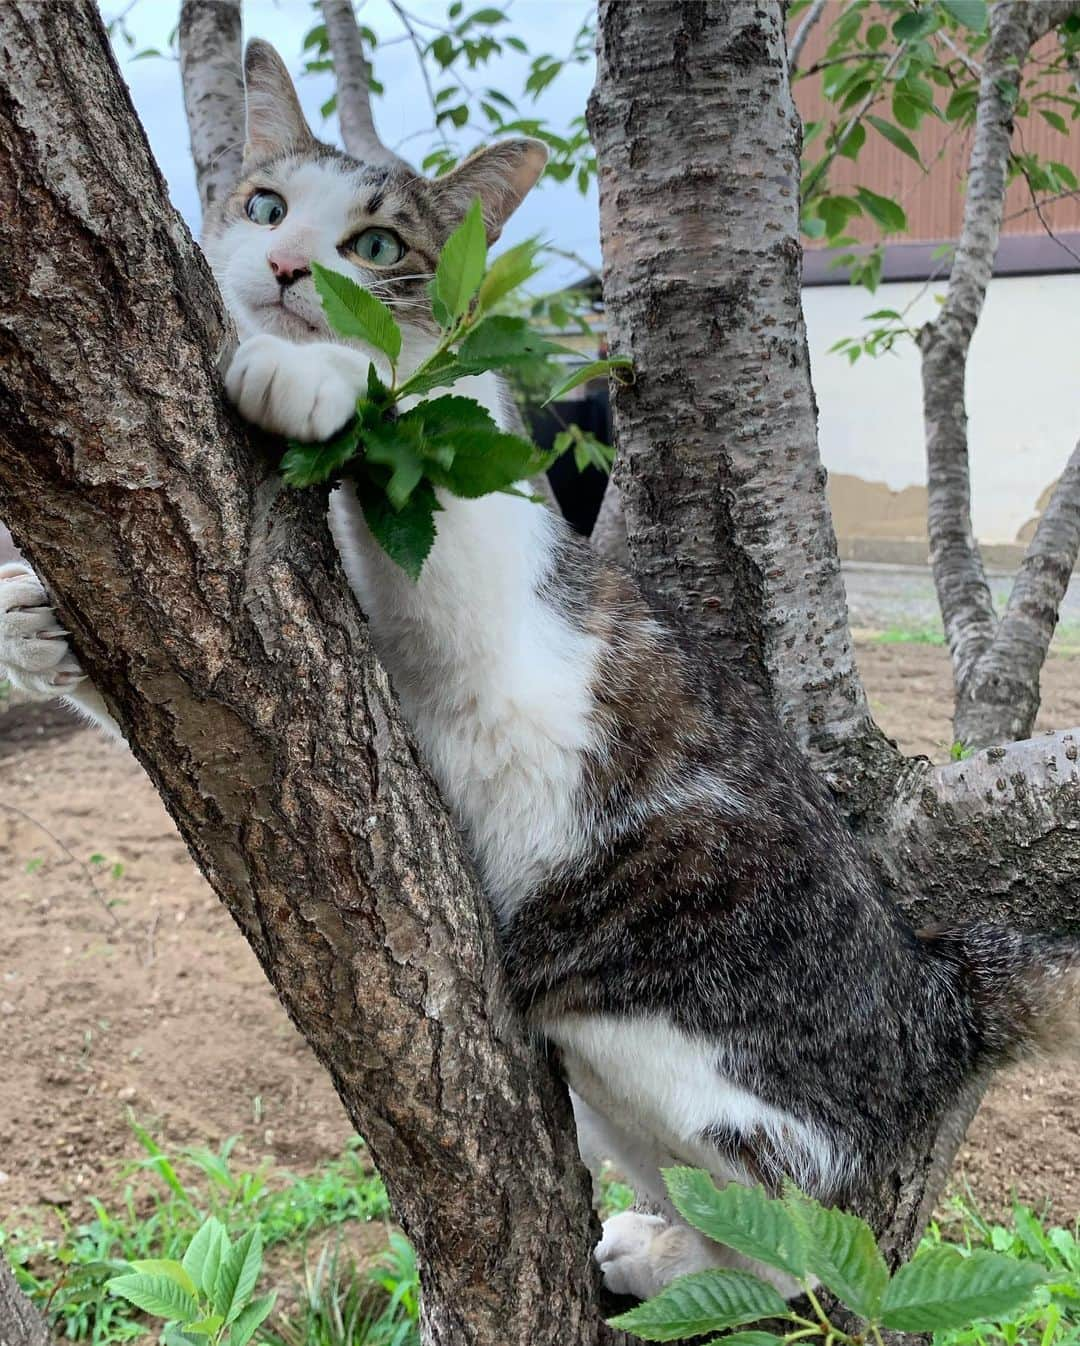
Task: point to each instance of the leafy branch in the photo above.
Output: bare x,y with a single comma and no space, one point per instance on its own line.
398,458
940,1288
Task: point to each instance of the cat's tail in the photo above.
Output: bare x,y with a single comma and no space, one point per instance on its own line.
1024,989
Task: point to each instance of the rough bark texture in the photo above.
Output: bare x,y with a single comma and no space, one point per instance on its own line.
20,1322
723,491
208,606
609,531
210,66
721,482
995,667
353,78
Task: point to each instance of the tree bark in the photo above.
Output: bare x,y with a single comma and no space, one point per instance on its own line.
207,604
210,72
353,77
995,667
20,1322
721,482
798,40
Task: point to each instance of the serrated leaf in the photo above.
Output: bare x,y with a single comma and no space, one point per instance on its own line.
941,1289
163,1266
310,464
968,13
406,535
706,1301
746,1339
895,136
500,341
157,1295
207,1238
460,268
353,311
245,1324
744,1218
888,213
490,460
591,371
396,445
237,1274
842,1252
509,270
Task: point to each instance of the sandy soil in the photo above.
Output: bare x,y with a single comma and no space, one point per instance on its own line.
136,992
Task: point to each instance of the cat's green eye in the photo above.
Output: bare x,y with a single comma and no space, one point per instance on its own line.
377,247
266,208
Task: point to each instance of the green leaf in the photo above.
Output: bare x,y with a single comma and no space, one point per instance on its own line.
245,1323
591,371
1054,119
206,1327
174,1271
835,211
853,142
915,24
405,535
746,1339
157,1295
500,341
968,13
888,213
706,1301
353,311
742,1217
491,461
895,136
461,263
509,270
942,1289
237,1274
310,464
842,1252
396,445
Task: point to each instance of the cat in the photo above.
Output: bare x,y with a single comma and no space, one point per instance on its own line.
685,917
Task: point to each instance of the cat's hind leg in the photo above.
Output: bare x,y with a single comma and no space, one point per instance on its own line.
35,656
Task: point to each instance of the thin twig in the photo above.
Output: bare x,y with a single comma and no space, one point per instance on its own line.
98,894
802,33
406,20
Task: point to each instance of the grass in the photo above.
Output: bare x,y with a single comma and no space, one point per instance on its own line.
1053,1318
162,1201
1066,637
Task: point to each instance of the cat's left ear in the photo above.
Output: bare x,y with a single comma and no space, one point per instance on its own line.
500,175
275,121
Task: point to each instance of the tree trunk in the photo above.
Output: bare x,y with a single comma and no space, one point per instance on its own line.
723,490
20,1322
210,73
996,665
722,486
207,604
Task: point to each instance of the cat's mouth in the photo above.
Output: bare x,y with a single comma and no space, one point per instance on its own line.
288,320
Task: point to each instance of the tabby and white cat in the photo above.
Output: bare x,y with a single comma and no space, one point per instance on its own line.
683,913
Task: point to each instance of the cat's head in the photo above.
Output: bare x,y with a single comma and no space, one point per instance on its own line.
300,201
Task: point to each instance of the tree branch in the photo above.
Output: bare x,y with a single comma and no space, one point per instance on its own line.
609,531
210,72
20,1322
718,468
353,76
798,41
963,592
208,606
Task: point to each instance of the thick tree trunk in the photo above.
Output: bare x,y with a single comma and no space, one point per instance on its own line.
723,490
20,1322
721,483
208,606
995,665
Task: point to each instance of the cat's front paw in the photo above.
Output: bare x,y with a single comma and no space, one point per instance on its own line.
301,392
34,652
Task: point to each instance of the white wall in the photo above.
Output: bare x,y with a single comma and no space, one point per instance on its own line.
1023,392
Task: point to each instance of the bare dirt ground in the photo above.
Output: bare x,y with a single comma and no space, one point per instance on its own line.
134,991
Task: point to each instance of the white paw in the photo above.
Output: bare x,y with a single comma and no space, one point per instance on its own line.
624,1253
34,653
301,392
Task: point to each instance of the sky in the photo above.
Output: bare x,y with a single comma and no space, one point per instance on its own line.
555,211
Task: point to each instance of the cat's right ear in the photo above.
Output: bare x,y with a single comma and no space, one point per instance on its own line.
275,121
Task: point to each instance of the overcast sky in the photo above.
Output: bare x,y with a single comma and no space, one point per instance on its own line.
555,211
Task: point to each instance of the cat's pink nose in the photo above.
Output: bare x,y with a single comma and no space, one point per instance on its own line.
287,266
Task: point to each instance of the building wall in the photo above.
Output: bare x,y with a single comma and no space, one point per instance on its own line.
1023,398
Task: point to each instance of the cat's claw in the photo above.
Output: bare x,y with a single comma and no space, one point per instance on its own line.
34,653
301,392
